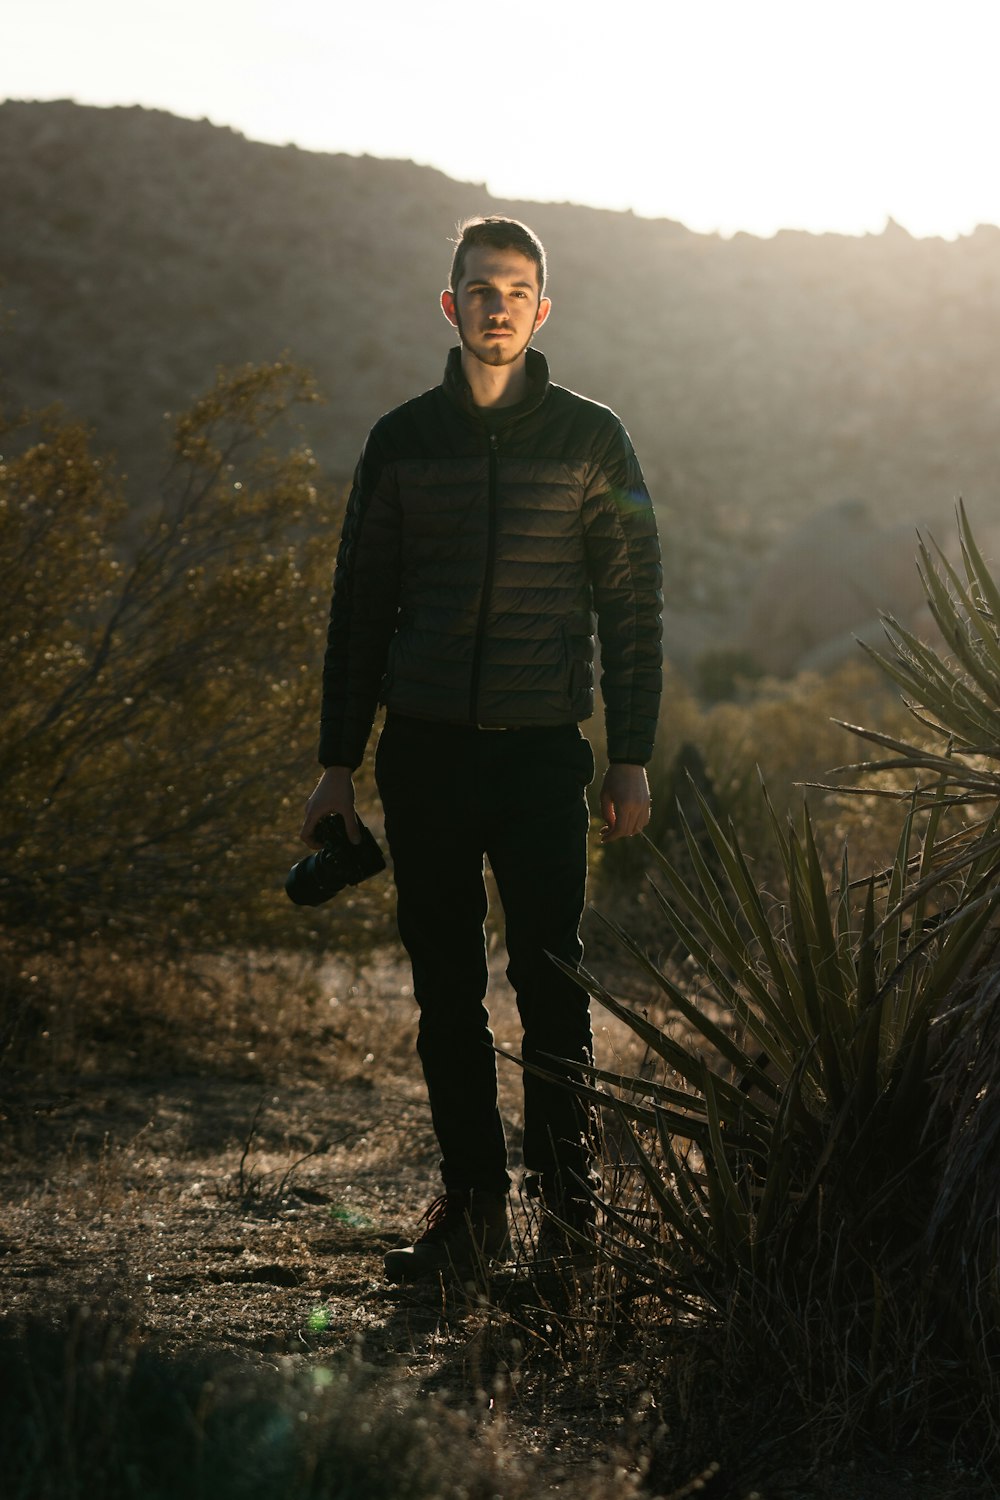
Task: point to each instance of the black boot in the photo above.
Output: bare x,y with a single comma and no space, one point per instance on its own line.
465,1232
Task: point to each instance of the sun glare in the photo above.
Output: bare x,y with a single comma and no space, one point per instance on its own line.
790,113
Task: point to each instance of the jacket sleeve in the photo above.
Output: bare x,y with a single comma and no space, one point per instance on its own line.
363,611
623,560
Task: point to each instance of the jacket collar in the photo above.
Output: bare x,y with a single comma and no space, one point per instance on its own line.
456,387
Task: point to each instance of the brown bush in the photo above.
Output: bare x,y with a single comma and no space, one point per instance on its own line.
161,692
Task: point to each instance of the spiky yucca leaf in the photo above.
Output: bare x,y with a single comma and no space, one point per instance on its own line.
822,1166
956,697
820,1086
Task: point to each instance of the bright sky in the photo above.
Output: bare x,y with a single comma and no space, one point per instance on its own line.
724,114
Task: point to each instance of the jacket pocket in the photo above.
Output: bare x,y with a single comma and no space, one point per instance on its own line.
578,656
388,674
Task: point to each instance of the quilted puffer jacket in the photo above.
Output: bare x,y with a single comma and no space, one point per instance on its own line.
474,564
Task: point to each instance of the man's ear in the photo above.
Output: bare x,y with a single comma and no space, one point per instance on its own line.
448,306
544,308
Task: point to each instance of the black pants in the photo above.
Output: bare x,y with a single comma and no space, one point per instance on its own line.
451,795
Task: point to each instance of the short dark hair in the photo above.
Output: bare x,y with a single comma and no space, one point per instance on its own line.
499,234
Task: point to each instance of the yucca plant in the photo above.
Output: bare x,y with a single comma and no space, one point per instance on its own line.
840,1011
822,1128
955,698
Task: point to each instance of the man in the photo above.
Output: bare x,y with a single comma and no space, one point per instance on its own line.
491,519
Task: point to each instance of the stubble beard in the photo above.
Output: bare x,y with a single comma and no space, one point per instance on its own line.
493,354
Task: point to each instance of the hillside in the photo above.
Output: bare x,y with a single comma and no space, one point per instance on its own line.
762,381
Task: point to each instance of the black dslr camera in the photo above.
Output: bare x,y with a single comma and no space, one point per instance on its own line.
320,876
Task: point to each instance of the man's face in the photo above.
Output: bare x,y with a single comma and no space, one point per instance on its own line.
496,307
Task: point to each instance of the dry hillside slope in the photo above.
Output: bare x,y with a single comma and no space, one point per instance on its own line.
763,380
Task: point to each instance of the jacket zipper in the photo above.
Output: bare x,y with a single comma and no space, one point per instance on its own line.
484,605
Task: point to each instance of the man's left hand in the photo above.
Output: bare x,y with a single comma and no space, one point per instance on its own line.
624,802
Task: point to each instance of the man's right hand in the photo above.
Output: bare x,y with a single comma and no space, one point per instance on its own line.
334,794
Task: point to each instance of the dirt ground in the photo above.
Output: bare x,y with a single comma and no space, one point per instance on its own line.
246,1199
229,1167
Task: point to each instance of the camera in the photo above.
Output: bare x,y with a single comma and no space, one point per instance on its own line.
319,876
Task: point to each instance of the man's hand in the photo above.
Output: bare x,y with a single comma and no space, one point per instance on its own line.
334,794
624,802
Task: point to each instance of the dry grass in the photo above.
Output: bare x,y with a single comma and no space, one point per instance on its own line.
213,1160
96,1408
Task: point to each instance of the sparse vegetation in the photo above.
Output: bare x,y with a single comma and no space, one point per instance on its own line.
214,1133
814,1209
786,734
160,690
94,1408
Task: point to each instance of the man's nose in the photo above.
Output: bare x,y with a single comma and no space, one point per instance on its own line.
495,305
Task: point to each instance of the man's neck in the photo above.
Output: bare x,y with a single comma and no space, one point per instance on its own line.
495,385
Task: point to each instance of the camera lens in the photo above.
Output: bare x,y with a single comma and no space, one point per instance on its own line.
315,879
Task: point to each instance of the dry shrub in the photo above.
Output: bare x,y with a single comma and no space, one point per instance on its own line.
160,689
255,1014
95,1408
785,734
